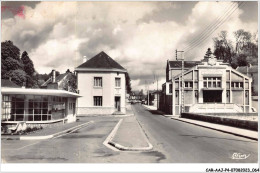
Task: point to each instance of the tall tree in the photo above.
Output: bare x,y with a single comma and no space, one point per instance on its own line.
31,79
128,83
208,54
223,49
8,49
12,66
28,64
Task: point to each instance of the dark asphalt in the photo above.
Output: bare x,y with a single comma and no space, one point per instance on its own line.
186,143
82,146
173,142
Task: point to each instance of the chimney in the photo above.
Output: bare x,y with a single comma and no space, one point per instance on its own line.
53,76
10,79
84,59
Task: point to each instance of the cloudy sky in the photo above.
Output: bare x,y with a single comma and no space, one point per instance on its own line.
141,36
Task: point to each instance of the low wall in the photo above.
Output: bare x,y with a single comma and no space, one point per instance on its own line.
245,124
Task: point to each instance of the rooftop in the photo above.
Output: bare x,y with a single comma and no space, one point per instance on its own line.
58,79
49,92
101,60
187,64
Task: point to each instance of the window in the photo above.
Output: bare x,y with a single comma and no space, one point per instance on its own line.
212,82
97,100
237,84
118,82
188,84
97,81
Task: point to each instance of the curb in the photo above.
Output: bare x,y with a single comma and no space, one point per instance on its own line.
55,135
116,147
111,136
224,131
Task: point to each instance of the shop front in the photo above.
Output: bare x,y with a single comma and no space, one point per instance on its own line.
38,105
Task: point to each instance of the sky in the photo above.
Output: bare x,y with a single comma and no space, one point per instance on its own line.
141,36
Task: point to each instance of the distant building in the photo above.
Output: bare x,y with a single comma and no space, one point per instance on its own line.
63,81
102,84
136,96
155,98
209,86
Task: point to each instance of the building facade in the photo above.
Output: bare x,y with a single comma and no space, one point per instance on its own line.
209,86
101,83
37,106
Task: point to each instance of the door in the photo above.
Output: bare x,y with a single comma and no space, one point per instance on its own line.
117,103
212,96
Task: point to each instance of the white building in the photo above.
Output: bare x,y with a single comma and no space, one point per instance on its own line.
209,86
101,83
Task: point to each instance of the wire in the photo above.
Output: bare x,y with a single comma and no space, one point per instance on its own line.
216,26
203,38
208,27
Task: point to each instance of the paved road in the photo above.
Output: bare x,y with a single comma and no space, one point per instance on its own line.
173,141
82,146
186,143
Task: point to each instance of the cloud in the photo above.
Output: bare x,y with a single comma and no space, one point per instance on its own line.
141,36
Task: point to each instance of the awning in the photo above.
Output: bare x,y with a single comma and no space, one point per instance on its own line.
29,91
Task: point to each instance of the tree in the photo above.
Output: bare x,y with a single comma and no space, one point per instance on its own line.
12,66
223,49
8,49
208,54
28,64
70,83
31,78
128,83
18,76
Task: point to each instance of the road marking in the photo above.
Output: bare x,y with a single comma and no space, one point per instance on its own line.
24,146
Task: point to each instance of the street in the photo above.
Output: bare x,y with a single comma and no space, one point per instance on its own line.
186,143
173,142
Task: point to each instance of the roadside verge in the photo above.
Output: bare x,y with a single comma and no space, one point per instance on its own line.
48,133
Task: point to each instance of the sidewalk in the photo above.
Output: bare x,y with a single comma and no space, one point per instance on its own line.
226,129
155,109
223,128
48,132
128,135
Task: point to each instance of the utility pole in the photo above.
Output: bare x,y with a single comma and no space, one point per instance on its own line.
157,94
147,88
182,80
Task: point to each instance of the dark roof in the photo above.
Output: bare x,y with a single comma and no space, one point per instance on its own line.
246,69
58,79
187,64
101,60
8,83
